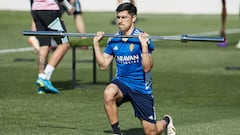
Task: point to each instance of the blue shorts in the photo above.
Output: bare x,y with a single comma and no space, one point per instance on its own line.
143,104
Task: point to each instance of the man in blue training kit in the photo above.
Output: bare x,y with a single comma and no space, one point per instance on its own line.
133,81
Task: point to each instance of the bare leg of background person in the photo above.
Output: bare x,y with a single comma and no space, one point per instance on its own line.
42,58
46,71
223,24
32,40
80,24
58,54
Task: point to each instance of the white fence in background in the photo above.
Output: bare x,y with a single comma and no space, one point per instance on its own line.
145,6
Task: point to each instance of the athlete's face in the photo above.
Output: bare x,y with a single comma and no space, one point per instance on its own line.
125,21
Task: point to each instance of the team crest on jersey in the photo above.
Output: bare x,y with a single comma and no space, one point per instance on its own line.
131,47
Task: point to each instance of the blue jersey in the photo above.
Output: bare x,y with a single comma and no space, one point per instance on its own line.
128,59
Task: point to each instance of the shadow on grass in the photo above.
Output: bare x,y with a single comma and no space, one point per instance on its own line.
51,126
131,131
69,85
63,85
24,60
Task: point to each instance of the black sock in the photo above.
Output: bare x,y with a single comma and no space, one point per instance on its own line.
116,128
166,119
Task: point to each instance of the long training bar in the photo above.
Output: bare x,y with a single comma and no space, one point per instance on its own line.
183,38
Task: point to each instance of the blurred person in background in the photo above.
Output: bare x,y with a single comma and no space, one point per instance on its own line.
48,17
32,40
78,18
223,24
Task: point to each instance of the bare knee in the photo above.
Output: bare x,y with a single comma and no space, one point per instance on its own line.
111,94
64,46
108,96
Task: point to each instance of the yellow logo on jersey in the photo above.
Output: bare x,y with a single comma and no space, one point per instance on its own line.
131,47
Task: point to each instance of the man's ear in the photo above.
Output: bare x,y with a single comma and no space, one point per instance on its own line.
134,18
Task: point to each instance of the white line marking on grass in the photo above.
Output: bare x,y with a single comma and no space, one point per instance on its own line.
211,33
16,50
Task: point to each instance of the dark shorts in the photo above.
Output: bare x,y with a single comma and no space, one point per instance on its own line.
77,6
49,21
143,104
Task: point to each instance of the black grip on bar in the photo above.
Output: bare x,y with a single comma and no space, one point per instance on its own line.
44,33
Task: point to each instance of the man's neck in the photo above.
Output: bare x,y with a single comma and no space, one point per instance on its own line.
129,32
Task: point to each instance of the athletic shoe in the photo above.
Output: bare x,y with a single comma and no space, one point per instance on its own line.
222,44
118,134
47,85
41,90
238,44
171,130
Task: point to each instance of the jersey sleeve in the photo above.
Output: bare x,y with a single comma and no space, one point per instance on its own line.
150,46
108,50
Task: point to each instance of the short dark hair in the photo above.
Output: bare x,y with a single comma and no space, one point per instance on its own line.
132,10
